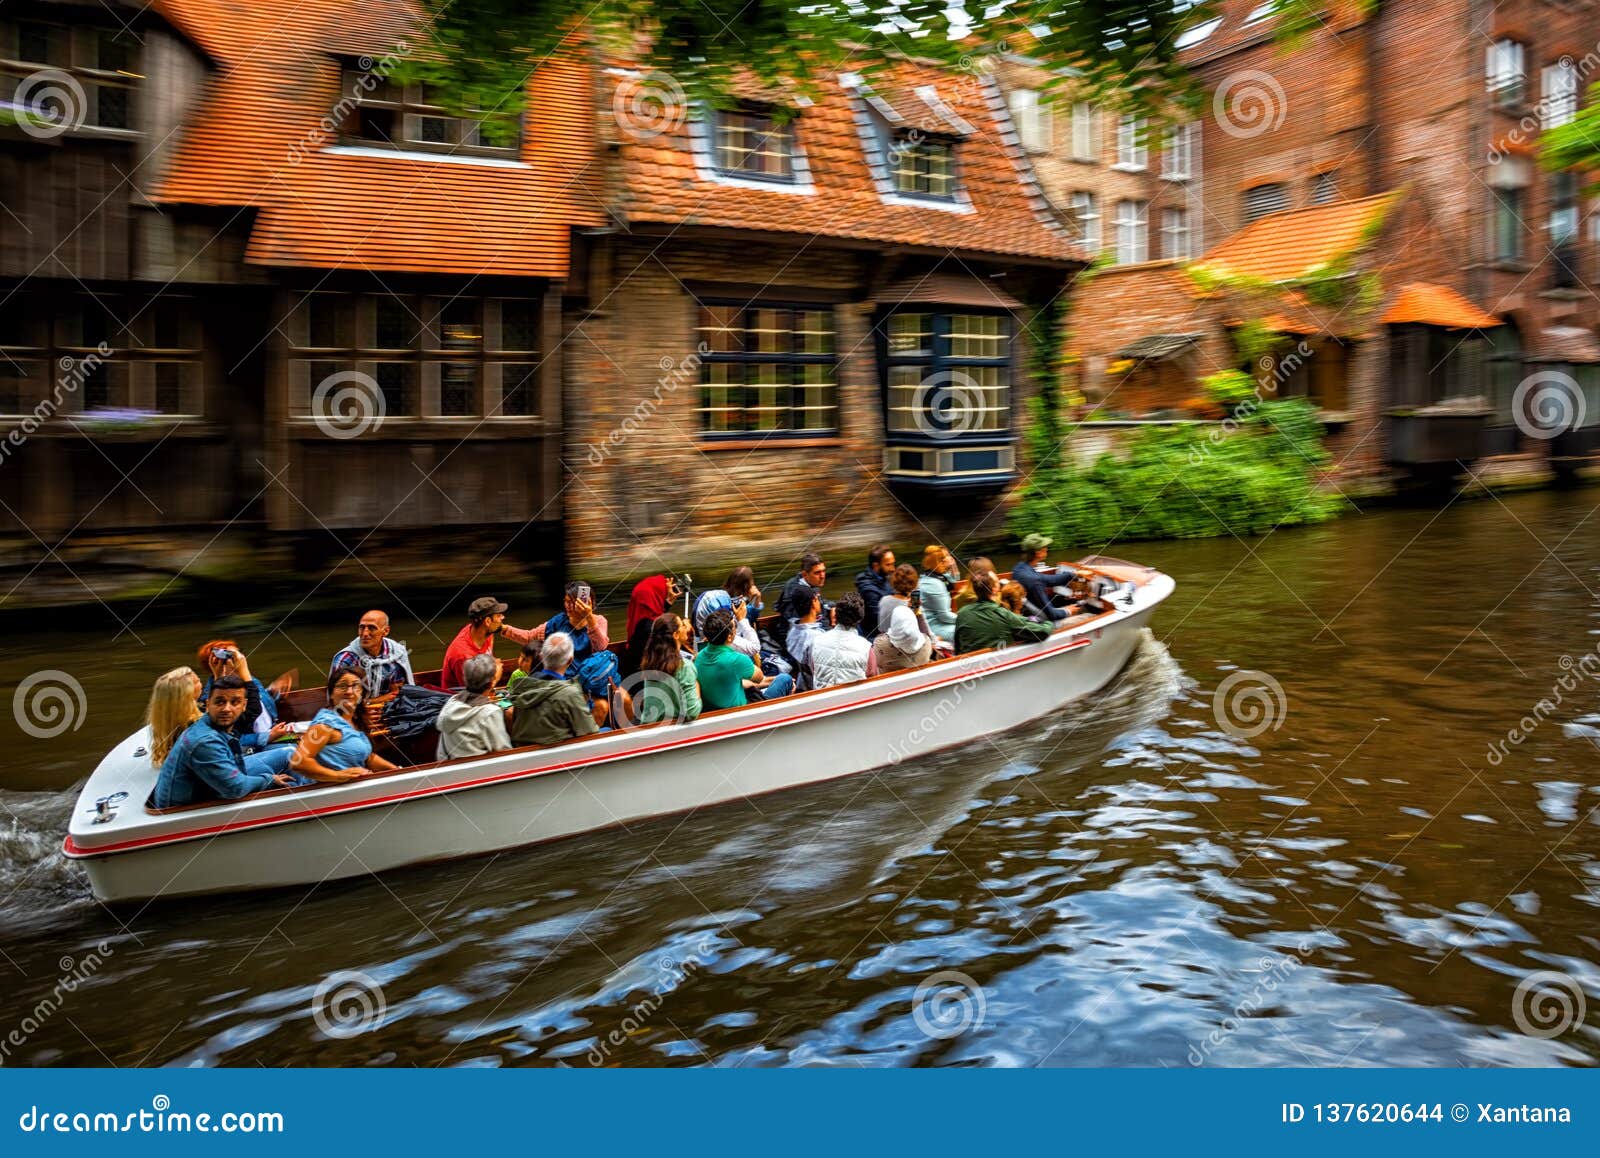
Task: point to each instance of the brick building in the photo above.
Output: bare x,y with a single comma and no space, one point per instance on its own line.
1445,100
809,324
1129,191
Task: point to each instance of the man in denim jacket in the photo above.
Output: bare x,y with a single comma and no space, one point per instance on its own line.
208,762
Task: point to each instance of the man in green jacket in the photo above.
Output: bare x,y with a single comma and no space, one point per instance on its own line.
985,623
547,707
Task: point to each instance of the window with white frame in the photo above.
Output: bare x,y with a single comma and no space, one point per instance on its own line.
1261,200
1177,153
753,143
1175,242
1260,13
1508,72
1325,188
1133,150
1558,102
1508,182
923,167
1085,132
1086,218
1133,232
1032,118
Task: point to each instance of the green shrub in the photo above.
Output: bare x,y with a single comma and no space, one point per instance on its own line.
1244,477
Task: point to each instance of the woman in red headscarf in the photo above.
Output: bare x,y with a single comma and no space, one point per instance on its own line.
649,599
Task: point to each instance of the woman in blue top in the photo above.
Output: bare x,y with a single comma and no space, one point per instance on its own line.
938,569
334,749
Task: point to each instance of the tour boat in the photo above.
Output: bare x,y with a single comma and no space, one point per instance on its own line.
469,807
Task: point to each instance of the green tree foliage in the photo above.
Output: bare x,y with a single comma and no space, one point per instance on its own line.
1125,52
1244,478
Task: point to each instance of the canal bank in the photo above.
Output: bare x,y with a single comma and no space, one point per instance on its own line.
1350,866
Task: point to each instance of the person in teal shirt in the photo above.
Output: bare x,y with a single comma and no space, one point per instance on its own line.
725,674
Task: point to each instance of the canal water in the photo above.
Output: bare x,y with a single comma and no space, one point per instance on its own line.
1377,846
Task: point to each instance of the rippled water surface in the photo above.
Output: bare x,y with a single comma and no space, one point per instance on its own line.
1128,884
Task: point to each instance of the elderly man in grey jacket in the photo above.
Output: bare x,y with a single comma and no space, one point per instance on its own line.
471,723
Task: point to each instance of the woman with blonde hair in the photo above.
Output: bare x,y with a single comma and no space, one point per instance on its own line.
174,705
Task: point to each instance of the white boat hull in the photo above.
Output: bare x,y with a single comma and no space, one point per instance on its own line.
485,805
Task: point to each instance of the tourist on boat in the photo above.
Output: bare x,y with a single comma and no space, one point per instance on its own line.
842,655
334,749
486,619
813,573
905,642
745,640
730,678
651,596
547,707
1042,582
872,583
527,663
1014,598
905,591
675,699
803,633
223,657
385,661
593,665
938,578
472,723
985,623
207,762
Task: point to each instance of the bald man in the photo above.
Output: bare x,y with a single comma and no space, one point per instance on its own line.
384,663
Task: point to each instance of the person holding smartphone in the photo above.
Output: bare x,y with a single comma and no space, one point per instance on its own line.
593,665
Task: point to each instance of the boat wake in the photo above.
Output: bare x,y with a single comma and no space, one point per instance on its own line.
35,879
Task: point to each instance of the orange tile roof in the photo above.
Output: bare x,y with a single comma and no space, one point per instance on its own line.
1436,305
258,136
1007,212
1288,245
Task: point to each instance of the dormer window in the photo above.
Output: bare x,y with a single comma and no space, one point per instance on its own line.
752,143
383,111
924,167
101,65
